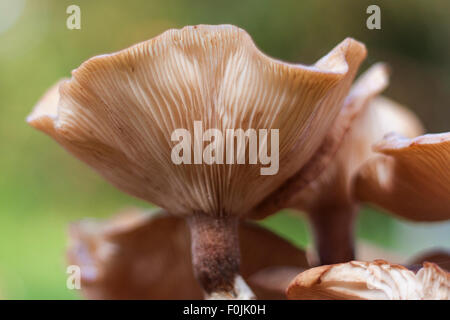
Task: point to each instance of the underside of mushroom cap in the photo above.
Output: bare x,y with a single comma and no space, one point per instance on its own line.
411,179
146,255
365,119
323,188
378,280
348,145
118,111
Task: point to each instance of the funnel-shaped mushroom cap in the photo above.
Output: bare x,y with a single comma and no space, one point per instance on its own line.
412,179
118,113
378,280
146,255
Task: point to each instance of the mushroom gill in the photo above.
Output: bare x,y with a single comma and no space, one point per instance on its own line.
119,111
324,188
378,280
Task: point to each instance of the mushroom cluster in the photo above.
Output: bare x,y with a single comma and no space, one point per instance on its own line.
118,112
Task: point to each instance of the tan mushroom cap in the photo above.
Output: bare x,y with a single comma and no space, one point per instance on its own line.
411,179
378,280
146,255
324,187
118,111
327,178
349,145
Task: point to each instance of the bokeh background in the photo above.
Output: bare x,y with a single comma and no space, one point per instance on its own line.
43,189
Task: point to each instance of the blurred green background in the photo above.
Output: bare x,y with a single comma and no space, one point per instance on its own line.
42,188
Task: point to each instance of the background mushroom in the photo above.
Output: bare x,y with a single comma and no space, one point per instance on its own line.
140,254
378,280
324,189
410,178
117,113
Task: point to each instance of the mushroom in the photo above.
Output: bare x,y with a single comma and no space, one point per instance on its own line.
410,178
324,189
377,280
140,254
274,280
118,113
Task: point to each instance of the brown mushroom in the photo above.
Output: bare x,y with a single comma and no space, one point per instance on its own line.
118,112
324,189
411,178
146,255
378,280
272,282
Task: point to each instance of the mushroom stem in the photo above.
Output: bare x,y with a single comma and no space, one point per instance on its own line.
333,234
216,257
